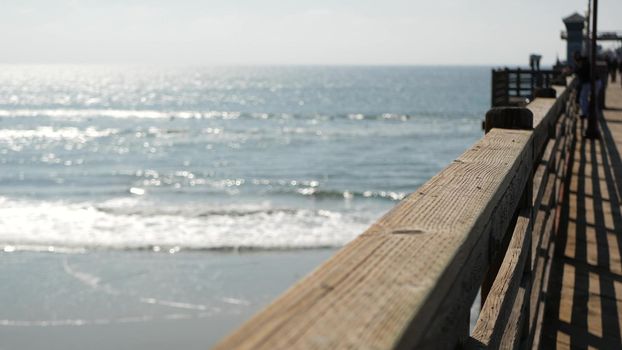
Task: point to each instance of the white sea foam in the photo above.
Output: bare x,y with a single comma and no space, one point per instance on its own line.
115,113
131,224
52,133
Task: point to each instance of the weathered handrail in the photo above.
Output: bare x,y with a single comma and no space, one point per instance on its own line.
512,313
410,279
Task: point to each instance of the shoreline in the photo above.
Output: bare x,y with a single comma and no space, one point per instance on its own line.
140,299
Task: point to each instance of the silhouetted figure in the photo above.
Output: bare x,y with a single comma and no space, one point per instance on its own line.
582,70
613,68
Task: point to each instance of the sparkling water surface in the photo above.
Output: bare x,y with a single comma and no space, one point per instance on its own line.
128,157
160,207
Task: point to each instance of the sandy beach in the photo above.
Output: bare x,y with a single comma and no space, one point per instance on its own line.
139,300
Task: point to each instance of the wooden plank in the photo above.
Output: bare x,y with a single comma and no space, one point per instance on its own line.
542,232
541,258
540,279
506,118
563,151
512,334
454,317
538,228
499,303
563,94
541,174
543,118
561,128
564,128
546,112
385,288
547,247
541,218
544,223
540,108
560,153
539,326
586,310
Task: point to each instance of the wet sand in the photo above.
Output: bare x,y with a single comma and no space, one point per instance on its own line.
139,300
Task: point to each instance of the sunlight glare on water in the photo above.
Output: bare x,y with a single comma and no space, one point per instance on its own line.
127,157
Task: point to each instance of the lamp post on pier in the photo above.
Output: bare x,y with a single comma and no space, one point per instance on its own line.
592,131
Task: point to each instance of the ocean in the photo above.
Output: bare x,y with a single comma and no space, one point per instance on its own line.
117,179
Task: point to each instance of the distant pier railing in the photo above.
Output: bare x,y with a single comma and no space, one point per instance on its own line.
484,223
516,87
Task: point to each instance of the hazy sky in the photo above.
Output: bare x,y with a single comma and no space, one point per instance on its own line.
288,32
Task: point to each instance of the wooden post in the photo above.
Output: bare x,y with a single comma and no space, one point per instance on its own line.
506,118
518,118
548,93
509,118
545,92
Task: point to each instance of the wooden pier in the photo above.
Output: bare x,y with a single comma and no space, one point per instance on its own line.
528,217
515,87
584,297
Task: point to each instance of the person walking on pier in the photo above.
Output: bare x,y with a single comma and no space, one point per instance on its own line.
613,67
582,70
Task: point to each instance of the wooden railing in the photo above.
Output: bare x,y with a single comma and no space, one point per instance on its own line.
516,87
485,222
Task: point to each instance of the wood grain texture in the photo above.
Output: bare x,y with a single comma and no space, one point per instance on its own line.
542,251
541,278
544,117
541,175
386,288
512,335
565,136
542,262
500,301
486,334
517,118
542,214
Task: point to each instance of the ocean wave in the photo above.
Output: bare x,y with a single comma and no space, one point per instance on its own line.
195,211
319,193
81,113
57,134
115,113
313,189
307,188
133,225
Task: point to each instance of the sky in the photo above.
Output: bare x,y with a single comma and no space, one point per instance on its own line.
247,32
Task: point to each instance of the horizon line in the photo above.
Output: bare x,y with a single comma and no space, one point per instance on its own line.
215,65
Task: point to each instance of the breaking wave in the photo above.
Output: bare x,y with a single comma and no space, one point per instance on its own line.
130,224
